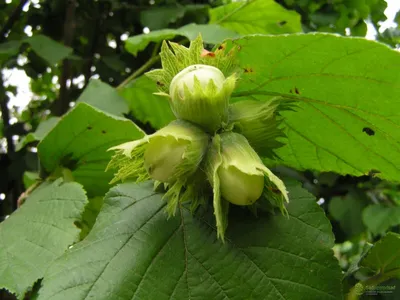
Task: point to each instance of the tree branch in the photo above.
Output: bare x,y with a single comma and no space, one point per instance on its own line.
61,105
11,20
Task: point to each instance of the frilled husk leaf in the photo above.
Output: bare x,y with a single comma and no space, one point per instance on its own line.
129,162
175,57
213,162
231,149
207,107
260,123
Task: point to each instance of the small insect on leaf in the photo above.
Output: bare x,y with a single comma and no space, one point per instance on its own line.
248,70
368,131
281,23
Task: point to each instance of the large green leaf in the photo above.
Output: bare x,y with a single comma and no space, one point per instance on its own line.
384,256
39,232
145,106
379,218
348,96
256,16
80,141
160,17
104,97
135,252
48,49
211,33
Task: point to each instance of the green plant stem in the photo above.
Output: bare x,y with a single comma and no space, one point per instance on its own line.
373,281
139,71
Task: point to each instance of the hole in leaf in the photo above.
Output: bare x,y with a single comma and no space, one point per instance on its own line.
68,162
295,91
368,131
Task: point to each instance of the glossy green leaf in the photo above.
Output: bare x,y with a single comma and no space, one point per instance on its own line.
379,218
43,129
145,106
211,34
48,49
79,143
141,254
385,256
256,16
39,232
104,97
347,118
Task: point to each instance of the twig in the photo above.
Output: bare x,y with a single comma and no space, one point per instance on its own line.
139,71
27,193
11,20
5,115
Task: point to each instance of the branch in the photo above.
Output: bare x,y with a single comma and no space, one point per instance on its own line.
5,115
61,105
11,20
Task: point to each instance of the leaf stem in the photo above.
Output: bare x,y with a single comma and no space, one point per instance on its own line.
373,281
139,71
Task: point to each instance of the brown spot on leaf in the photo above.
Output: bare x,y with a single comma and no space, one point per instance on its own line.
275,190
239,48
206,53
248,70
295,91
221,47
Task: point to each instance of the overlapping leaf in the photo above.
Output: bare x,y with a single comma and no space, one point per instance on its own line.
348,96
39,232
385,256
211,33
104,97
256,16
80,141
141,254
145,106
